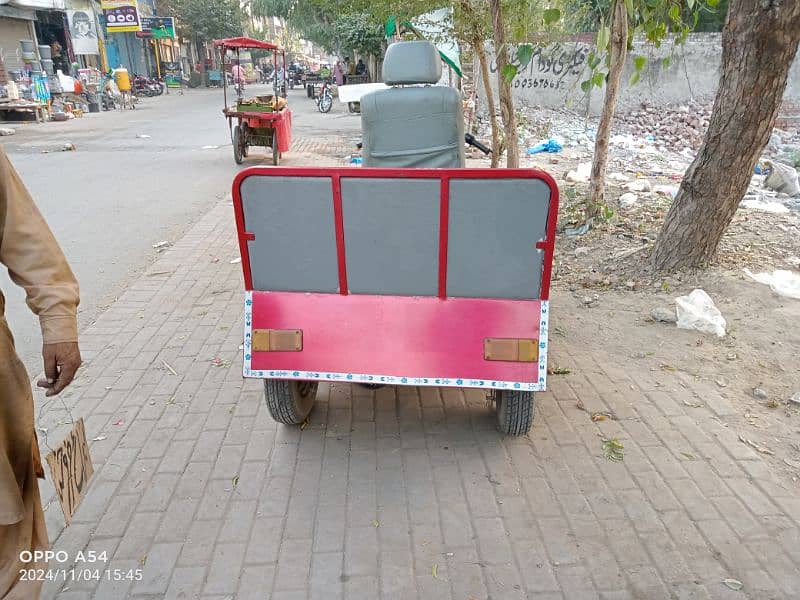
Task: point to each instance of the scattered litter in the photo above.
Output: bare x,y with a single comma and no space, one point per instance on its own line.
169,368
143,559
581,174
697,311
688,456
550,145
119,422
764,205
589,300
218,362
161,245
7,131
376,523
792,463
602,416
628,199
99,438
68,147
664,314
236,260
783,283
640,185
582,230
235,481
721,382
733,584
759,393
142,136
558,371
619,178
210,147
435,571
781,178
795,399
356,160
613,449
756,446
666,190
692,404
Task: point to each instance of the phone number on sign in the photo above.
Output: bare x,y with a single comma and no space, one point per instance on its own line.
80,575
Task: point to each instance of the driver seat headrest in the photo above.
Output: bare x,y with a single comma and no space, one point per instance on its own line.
408,63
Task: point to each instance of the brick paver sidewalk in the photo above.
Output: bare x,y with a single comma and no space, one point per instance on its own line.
399,493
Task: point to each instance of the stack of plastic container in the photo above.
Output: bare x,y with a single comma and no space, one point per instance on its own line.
46,54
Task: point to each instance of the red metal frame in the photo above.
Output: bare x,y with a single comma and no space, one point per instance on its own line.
444,175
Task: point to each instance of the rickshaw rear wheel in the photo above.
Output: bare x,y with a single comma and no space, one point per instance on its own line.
515,411
290,402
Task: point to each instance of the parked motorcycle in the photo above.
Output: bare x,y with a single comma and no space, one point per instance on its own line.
145,86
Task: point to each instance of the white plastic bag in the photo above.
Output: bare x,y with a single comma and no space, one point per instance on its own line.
782,178
697,311
783,283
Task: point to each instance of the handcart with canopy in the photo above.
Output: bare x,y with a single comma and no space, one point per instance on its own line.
260,121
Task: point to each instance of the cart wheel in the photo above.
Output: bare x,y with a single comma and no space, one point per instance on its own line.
245,137
514,411
238,152
276,155
290,402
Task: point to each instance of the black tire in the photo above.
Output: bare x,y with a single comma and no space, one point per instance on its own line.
289,402
515,411
238,152
245,137
325,103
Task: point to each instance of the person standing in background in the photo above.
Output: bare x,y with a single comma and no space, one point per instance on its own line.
338,74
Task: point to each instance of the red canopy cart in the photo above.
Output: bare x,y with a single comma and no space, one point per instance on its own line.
257,122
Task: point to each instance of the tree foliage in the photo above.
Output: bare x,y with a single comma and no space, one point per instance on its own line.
204,20
335,25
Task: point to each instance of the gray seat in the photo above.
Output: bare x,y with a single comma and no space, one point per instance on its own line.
411,125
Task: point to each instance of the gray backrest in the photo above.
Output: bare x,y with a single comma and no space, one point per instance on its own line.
411,62
412,126
392,233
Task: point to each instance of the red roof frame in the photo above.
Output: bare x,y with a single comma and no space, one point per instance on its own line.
244,42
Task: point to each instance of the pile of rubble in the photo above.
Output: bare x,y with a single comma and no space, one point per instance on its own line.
675,127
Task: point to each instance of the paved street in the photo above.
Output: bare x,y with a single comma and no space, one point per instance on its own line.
118,194
394,493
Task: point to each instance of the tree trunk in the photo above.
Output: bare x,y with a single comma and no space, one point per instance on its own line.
504,87
759,43
619,52
480,52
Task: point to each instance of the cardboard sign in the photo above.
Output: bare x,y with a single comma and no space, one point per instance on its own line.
71,468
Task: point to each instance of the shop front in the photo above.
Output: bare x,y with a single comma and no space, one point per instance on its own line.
15,24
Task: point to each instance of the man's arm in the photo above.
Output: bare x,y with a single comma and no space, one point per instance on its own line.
35,262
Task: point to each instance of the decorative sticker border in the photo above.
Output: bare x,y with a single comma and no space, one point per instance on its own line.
466,382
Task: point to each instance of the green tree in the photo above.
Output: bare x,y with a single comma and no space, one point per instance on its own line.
759,44
204,20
